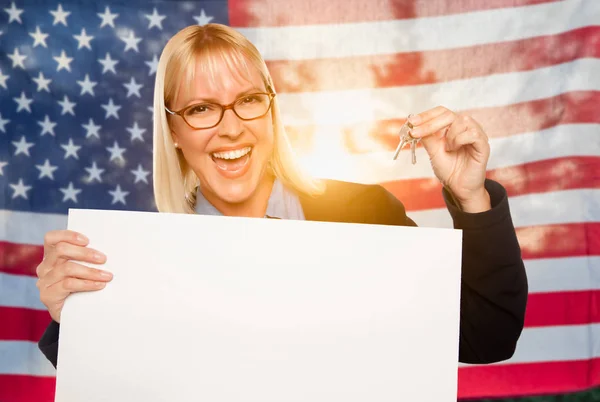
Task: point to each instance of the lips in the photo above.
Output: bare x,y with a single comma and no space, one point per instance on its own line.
233,163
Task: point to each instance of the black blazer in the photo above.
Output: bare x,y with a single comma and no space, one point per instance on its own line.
493,286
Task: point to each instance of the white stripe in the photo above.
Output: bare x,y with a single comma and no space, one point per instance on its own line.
563,274
24,358
19,291
511,151
573,342
536,345
421,34
353,106
556,207
28,227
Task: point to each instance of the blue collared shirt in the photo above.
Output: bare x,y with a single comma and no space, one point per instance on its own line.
282,204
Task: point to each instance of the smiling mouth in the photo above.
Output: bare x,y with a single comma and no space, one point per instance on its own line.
232,161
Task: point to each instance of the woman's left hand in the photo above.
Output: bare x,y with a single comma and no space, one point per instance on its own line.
458,149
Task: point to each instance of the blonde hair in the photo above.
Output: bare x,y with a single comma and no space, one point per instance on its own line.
174,181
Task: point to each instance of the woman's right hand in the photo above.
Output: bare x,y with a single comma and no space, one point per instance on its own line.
59,276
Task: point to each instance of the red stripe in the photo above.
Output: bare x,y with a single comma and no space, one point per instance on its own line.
434,66
21,324
563,308
561,240
20,259
503,121
473,382
21,388
536,177
261,13
528,379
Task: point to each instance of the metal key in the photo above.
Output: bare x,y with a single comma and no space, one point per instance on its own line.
406,138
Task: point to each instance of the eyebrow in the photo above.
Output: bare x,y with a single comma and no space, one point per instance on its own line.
213,100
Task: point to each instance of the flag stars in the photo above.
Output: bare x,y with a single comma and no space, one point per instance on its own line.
111,109
3,78
140,174
23,102
18,60
39,38
3,123
47,126
22,146
203,19
14,13
42,82
118,195
83,40
2,166
153,64
133,88
63,61
108,64
94,173
131,42
155,19
70,193
87,86
60,16
46,170
136,132
67,106
20,189
116,152
107,18
71,149
91,129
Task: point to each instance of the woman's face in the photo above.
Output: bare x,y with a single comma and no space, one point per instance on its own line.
230,159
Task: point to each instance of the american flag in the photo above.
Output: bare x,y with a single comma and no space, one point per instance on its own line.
76,86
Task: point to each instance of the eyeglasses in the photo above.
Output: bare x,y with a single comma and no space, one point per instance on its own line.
207,115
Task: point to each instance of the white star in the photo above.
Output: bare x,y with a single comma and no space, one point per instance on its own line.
118,195
108,64
111,109
39,38
63,62
3,79
46,170
91,129
14,13
153,64
60,15
155,19
70,193
2,165
131,42
24,102
83,40
71,149
133,88
107,18
3,123
87,86
22,146
42,82
94,173
67,106
20,189
140,174
17,59
202,19
136,132
116,152
47,126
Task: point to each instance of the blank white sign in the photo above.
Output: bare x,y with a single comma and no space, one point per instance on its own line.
222,309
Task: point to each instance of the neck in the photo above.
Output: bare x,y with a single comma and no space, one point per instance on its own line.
253,207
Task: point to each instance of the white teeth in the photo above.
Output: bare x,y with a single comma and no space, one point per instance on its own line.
238,153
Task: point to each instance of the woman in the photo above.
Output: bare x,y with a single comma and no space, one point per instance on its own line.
220,148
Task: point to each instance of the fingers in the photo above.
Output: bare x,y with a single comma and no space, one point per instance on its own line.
67,251
433,125
427,115
471,136
72,269
56,236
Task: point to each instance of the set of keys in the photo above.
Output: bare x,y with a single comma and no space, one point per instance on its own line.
406,138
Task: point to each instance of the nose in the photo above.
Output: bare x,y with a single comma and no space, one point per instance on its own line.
231,126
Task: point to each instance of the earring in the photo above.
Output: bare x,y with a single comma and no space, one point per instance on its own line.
176,145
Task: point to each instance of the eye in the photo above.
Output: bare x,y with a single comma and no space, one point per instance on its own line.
199,109
251,99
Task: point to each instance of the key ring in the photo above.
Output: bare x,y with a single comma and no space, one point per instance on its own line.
406,138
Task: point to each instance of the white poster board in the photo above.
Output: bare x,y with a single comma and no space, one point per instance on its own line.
221,309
